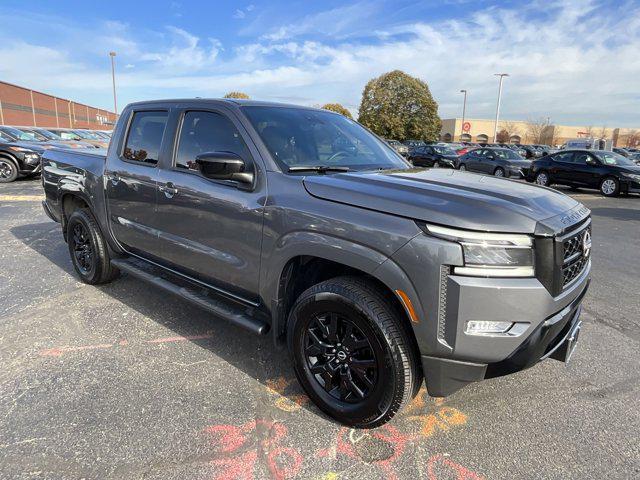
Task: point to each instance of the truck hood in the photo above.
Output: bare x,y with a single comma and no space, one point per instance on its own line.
452,198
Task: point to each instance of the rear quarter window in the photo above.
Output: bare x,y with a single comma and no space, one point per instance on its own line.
145,137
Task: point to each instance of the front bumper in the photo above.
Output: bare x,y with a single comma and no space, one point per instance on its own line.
549,340
445,303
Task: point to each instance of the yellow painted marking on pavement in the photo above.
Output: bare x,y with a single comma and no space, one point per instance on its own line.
21,198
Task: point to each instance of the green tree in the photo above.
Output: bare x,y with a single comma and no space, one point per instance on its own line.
336,107
237,95
398,106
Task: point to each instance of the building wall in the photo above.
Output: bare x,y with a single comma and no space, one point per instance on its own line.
24,107
479,129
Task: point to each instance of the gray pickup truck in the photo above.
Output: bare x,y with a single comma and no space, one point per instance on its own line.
301,224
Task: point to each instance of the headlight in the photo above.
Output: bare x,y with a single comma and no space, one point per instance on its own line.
490,254
633,176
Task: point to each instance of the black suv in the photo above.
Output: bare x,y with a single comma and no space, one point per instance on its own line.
501,162
18,159
433,156
609,172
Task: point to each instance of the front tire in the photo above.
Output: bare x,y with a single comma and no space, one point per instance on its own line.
88,249
351,352
542,179
8,170
610,187
436,164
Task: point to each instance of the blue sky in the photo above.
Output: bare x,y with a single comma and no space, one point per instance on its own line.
576,61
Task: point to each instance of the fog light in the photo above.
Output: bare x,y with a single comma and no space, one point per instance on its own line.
476,327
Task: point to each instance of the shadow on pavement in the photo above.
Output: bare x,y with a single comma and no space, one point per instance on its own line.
624,214
229,342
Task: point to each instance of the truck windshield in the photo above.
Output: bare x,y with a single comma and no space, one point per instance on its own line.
298,137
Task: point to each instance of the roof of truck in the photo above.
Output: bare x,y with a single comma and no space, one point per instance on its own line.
234,101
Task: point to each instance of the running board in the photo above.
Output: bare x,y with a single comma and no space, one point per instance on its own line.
242,316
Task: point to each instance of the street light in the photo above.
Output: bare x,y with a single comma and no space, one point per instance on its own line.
113,78
464,110
495,127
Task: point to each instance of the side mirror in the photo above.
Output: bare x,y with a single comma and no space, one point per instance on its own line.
224,166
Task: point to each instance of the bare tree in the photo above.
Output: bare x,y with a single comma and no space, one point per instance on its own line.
588,131
603,133
503,136
633,138
539,130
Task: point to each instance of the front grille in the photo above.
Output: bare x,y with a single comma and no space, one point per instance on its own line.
576,250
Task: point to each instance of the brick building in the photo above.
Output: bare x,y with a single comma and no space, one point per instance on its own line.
25,107
481,130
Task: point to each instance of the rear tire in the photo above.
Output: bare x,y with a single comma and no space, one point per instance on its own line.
499,172
88,249
352,352
8,170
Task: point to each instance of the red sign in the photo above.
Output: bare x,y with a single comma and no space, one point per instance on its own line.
466,126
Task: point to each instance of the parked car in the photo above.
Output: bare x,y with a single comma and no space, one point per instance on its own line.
29,138
635,157
531,152
411,144
608,172
501,162
435,156
369,271
621,151
43,135
399,147
80,135
18,159
102,134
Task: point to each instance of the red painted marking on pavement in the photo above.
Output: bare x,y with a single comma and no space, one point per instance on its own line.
180,338
59,351
460,472
282,462
56,352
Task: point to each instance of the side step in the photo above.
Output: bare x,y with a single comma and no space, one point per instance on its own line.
240,315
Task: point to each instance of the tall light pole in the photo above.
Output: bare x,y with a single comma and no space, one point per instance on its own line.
464,110
113,78
495,127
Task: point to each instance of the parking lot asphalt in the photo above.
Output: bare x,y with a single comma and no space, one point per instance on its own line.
121,381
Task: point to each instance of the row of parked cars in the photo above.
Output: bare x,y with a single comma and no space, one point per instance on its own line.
22,147
611,172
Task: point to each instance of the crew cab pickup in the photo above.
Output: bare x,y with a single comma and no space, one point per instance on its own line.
301,224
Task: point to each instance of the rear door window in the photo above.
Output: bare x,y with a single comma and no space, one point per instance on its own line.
564,157
145,137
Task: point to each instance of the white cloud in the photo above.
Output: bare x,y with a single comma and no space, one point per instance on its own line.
239,14
575,62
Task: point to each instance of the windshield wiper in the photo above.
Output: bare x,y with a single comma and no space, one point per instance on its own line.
319,169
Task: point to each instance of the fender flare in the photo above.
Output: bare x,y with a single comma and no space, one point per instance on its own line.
335,249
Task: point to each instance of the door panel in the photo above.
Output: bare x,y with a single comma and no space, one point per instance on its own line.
209,229
562,168
131,184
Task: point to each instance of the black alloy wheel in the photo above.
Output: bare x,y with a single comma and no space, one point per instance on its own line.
352,351
340,357
88,249
82,249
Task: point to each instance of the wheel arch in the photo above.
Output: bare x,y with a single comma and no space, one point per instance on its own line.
303,270
69,203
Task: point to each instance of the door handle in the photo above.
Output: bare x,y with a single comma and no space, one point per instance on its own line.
168,189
